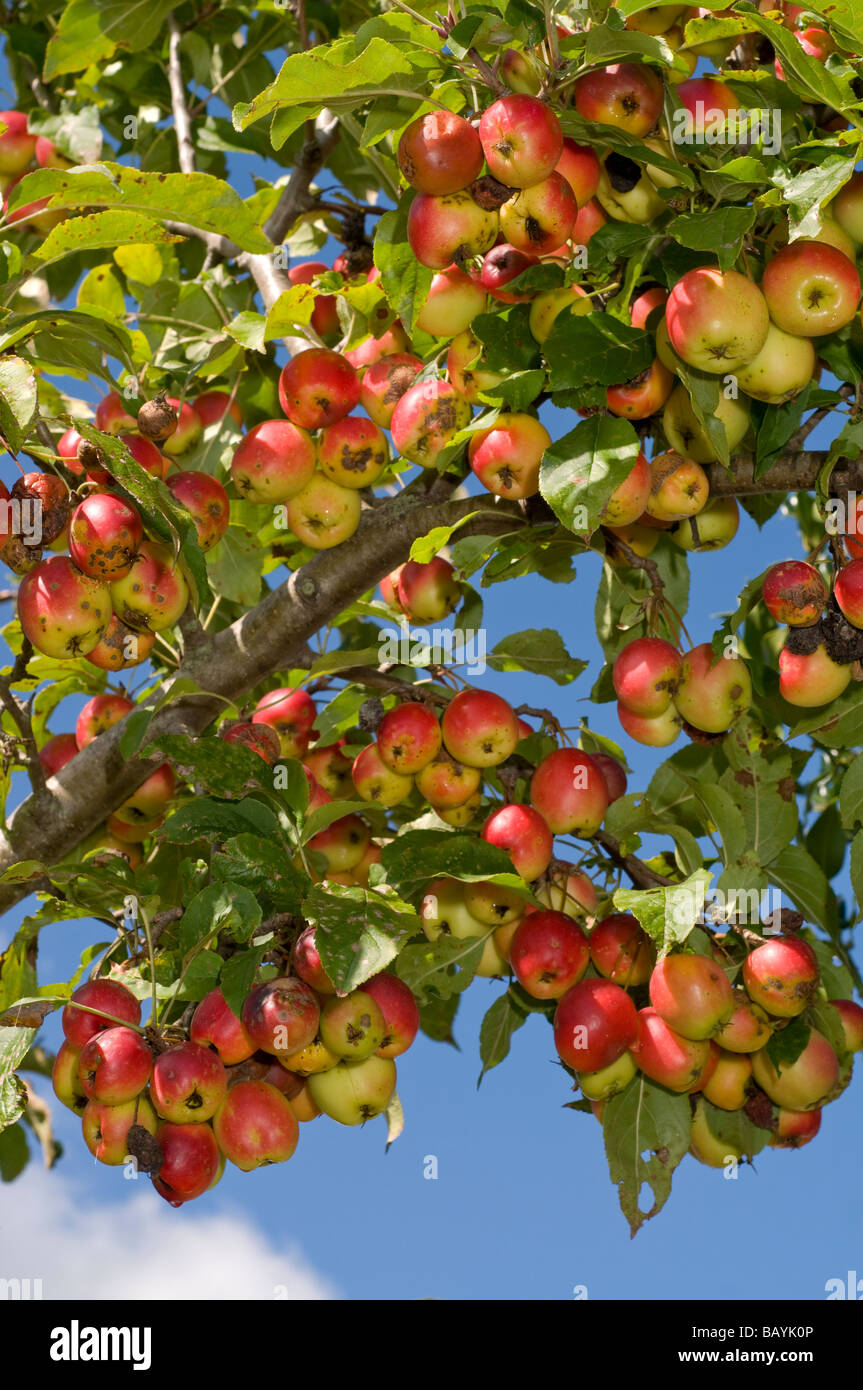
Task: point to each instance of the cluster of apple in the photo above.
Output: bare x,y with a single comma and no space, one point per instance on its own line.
659,691
117,587
795,594
698,1035
238,1085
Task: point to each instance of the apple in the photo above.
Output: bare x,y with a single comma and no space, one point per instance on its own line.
612,771
104,534
782,976
506,457
255,1125
678,487
654,731
188,1083
811,680
547,306
318,387
440,153
685,432
408,737
579,165
848,592
794,593
712,692
466,369
114,1065
595,1023
323,514
354,1092
851,1018
621,950
570,793
847,207
522,832
665,1055
643,396
500,265
426,420
106,1127
384,383
399,1007
449,228
479,728
691,993
353,452
748,1028
63,612
191,1162
331,769
444,912
17,145
108,997
151,799
794,1128
811,289
549,954
803,1084
372,350
153,594
281,1015
98,715
306,962
646,674
626,95
273,462
447,784
521,139
538,219
215,1024
717,320
707,1148
353,1027
213,406
291,713
64,1077
629,498
57,752
454,299
343,843
375,781
121,647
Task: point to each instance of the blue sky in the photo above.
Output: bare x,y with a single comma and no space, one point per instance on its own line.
522,1206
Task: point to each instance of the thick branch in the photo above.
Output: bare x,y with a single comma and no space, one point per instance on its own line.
792,472
227,665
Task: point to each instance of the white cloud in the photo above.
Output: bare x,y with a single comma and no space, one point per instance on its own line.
82,1248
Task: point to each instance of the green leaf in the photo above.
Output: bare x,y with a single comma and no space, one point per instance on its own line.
798,875
225,769
585,348
437,1017
203,818
18,399
14,1152
644,1117
116,229
826,842
204,201
426,547
220,907
440,968
235,566
14,1044
508,344
405,282
90,31
331,75
262,868
100,292
496,1030
836,978
851,794
856,866
542,652
580,471
735,1128
720,232
358,931
238,976
705,391
808,76
201,975
785,1045
667,914
412,859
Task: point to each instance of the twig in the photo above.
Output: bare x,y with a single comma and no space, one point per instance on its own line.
21,718
638,871
797,440
182,124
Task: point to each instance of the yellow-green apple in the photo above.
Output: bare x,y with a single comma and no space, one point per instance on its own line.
323,513
804,1083
626,193
547,306
712,692
466,369
847,208
454,299
353,1027
717,319
678,487
354,1092
685,432
506,457
444,912
64,1078
714,527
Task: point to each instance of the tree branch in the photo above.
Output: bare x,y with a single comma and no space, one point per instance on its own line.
640,874
182,123
20,715
226,665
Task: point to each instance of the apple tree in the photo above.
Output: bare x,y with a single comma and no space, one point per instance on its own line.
516,284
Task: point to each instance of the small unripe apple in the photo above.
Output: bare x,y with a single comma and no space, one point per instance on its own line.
656,731
465,368
629,498
785,364
323,514
354,1092
549,305
727,1087
447,784
685,432
444,912
706,1147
